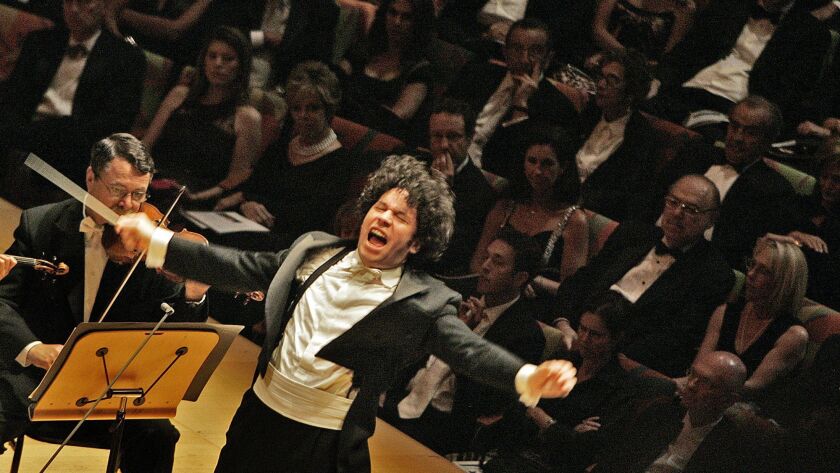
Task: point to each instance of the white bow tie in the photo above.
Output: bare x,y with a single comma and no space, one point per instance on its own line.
87,225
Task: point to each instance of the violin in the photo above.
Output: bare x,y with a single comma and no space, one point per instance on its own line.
47,267
119,254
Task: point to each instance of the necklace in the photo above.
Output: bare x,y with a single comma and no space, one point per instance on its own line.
312,150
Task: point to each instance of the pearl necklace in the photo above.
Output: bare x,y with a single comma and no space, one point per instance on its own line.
312,150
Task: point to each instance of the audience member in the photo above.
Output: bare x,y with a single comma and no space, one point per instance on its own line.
701,432
568,435
450,128
755,199
440,409
543,208
673,277
508,94
205,135
282,32
762,328
738,48
615,162
389,81
652,27
70,88
303,179
37,314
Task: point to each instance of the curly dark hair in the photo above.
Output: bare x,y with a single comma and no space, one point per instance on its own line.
428,194
567,186
637,76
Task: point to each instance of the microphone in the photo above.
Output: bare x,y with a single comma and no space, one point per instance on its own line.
167,309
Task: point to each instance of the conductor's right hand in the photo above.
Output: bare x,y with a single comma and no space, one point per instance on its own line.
43,355
135,231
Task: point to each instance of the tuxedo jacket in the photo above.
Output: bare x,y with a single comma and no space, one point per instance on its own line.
620,187
420,317
667,322
737,444
34,308
309,30
785,72
106,100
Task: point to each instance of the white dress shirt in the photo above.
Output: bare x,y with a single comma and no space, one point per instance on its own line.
676,456
275,17
729,77
635,282
502,10
488,119
605,138
58,99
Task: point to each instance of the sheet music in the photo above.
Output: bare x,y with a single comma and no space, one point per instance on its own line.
223,221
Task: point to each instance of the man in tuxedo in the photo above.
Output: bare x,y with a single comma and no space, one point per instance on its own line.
755,198
698,434
450,130
342,318
440,409
71,87
672,276
505,95
738,48
283,33
38,314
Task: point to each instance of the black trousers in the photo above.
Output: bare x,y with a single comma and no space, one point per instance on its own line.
261,440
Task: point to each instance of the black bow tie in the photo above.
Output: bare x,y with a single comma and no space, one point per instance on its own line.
662,249
757,12
77,51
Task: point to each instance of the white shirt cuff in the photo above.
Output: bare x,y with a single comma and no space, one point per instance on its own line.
526,397
836,4
21,358
257,38
198,302
157,247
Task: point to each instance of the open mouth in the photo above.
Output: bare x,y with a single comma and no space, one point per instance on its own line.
377,238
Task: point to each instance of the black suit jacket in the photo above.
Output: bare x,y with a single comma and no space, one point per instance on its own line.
786,70
473,199
35,308
309,34
620,187
668,321
106,100
420,317
741,443
517,331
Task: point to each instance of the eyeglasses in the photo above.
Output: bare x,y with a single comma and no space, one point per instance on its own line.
119,193
673,203
612,81
692,375
532,52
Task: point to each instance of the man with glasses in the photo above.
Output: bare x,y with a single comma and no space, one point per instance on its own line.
673,277
37,314
697,432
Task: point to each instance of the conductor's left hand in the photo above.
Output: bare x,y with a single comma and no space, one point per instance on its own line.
135,231
553,378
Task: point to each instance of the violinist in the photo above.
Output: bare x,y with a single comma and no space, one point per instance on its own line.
38,313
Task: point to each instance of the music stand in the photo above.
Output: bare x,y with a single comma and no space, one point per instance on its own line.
175,365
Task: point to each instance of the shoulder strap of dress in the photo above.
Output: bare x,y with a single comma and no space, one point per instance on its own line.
558,231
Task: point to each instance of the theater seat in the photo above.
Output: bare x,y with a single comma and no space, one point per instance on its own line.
14,26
